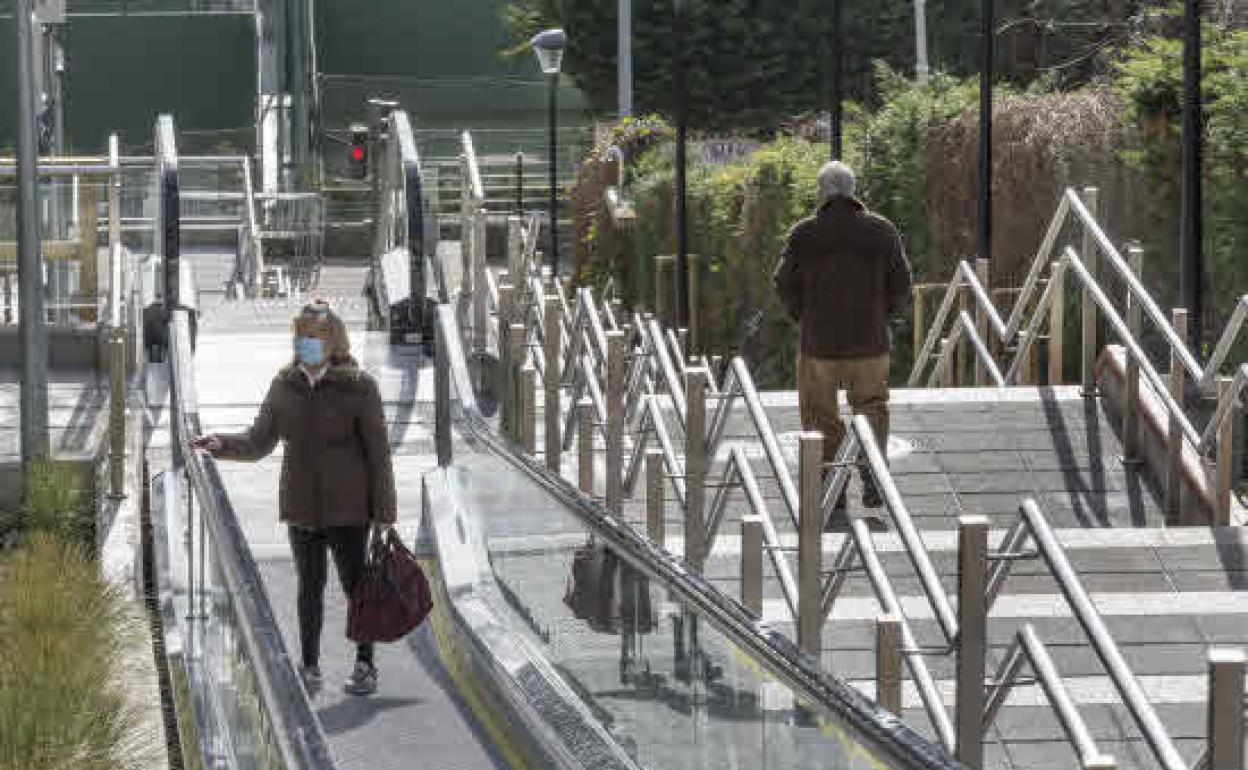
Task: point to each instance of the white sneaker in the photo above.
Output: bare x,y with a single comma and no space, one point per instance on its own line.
311,677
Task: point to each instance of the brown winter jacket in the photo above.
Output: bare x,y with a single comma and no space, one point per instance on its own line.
842,274
336,466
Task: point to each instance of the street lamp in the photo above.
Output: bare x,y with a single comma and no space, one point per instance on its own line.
681,99
549,47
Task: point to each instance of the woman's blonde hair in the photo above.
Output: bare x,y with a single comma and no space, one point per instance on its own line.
318,314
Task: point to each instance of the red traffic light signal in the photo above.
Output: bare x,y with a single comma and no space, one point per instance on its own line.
357,156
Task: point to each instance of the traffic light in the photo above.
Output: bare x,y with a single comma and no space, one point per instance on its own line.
357,152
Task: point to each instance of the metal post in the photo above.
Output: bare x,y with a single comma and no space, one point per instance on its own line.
515,250
921,67
972,638
981,321
836,116
624,60
810,542
655,504
117,411
33,331
554,180
1090,255
920,333
664,266
986,77
693,330
1131,454
527,408
752,563
697,381
442,396
480,285
520,184
680,80
553,337
888,663
1225,714
585,445
1224,468
617,371
517,336
1057,325
503,383
1173,498
1191,235
959,353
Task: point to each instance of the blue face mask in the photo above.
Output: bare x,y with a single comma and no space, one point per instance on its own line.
310,351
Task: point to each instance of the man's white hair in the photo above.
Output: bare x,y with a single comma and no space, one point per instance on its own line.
836,179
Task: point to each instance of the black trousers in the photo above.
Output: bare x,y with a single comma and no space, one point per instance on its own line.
349,546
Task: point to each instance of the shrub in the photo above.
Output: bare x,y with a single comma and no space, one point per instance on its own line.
57,503
62,632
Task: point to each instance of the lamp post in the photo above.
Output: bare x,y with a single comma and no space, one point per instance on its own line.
987,73
1191,253
681,100
34,393
624,55
835,118
549,47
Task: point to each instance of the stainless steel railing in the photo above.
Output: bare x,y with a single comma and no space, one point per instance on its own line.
1020,333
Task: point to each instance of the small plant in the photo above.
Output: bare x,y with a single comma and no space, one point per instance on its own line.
62,634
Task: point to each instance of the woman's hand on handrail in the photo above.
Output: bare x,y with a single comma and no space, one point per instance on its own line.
209,443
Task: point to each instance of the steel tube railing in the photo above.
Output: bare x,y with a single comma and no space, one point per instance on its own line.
1102,641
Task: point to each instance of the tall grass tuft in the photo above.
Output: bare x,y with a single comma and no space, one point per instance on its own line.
56,503
63,631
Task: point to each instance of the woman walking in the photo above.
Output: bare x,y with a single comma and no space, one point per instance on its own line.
337,483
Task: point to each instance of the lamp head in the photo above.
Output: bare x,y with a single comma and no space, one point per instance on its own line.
549,46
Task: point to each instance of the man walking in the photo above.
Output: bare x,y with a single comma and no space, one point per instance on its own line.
842,275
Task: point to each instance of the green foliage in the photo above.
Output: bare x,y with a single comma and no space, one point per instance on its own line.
1150,82
893,171
56,503
62,631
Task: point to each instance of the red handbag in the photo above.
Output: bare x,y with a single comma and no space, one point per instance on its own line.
392,597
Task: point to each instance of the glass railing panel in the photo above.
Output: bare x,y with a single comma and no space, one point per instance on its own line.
665,678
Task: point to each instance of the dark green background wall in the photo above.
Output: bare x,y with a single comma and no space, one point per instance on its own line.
125,71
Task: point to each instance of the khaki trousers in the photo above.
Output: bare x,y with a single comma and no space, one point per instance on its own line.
819,382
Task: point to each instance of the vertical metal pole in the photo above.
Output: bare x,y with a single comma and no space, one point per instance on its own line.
1173,499
617,370
520,184
117,411
1090,256
516,338
480,286
655,504
836,114
664,266
554,179
697,381
585,445
1224,467
1191,236
888,663
921,67
752,563
442,398
553,337
503,383
986,77
682,139
981,320
33,331
1131,454
1057,324
920,333
527,409
624,59
810,542
515,250
1225,713
972,638
959,353
693,332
